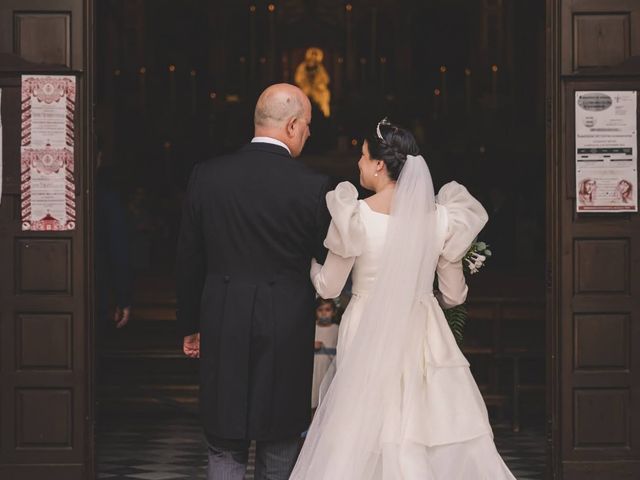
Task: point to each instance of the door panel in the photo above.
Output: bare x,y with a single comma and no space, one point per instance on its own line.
59,23
589,50
597,33
46,409
31,27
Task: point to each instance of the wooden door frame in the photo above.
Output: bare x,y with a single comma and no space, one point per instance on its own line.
88,190
553,126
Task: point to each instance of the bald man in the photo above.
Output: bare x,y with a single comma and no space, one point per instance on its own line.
252,222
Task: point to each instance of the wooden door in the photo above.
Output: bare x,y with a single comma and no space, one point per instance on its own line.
45,336
594,258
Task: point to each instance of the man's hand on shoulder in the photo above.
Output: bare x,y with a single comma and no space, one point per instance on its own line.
191,345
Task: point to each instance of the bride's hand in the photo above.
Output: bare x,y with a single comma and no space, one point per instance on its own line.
315,268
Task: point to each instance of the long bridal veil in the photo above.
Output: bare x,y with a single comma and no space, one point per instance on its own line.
359,429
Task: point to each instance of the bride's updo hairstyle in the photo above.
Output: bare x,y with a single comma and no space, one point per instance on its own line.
391,144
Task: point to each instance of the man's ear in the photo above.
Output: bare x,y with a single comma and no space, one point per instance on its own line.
290,126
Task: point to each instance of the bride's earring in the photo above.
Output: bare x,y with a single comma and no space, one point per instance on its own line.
378,165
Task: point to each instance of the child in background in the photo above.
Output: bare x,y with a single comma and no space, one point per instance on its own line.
325,344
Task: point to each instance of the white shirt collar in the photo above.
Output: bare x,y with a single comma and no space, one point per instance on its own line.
272,141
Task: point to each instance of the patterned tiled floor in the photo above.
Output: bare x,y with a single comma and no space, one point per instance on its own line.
147,448
523,452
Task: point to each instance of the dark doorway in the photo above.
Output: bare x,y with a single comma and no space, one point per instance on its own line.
176,84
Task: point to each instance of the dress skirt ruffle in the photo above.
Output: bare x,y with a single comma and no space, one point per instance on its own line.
439,428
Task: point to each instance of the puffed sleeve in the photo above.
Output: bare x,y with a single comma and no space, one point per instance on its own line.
466,217
345,241
346,234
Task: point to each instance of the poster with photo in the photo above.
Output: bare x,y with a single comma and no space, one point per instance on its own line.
47,153
606,151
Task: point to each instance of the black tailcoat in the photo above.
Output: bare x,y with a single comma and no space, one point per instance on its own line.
252,222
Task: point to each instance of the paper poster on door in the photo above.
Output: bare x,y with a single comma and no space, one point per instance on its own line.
606,151
47,147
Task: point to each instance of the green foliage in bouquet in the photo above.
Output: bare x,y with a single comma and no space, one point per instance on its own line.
457,319
471,263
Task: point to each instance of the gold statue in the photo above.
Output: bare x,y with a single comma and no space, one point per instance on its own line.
313,79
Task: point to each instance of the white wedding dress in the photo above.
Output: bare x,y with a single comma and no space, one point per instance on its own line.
436,427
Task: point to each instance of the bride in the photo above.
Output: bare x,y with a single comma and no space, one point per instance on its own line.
402,403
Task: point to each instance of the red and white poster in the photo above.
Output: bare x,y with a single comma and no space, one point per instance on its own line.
47,147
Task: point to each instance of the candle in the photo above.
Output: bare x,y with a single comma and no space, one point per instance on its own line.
194,95
494,84
142,85
243,74
383,73
212,114
285,69
374,36
262,73
252,44
116,86
350,51
337,76
172,86
436,103
167,161
443,89
212,100
272,43
467,90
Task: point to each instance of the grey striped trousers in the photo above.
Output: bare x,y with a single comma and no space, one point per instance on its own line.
274,460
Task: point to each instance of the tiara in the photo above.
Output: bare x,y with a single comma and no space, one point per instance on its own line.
384,122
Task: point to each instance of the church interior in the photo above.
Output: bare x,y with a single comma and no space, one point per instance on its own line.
176,83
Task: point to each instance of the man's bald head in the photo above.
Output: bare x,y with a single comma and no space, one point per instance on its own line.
283,112
277,104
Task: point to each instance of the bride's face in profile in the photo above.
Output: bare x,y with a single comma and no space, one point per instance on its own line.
370,169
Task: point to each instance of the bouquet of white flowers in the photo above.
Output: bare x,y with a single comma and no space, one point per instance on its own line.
472,263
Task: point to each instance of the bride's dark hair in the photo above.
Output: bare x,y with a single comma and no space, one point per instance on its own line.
391,144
